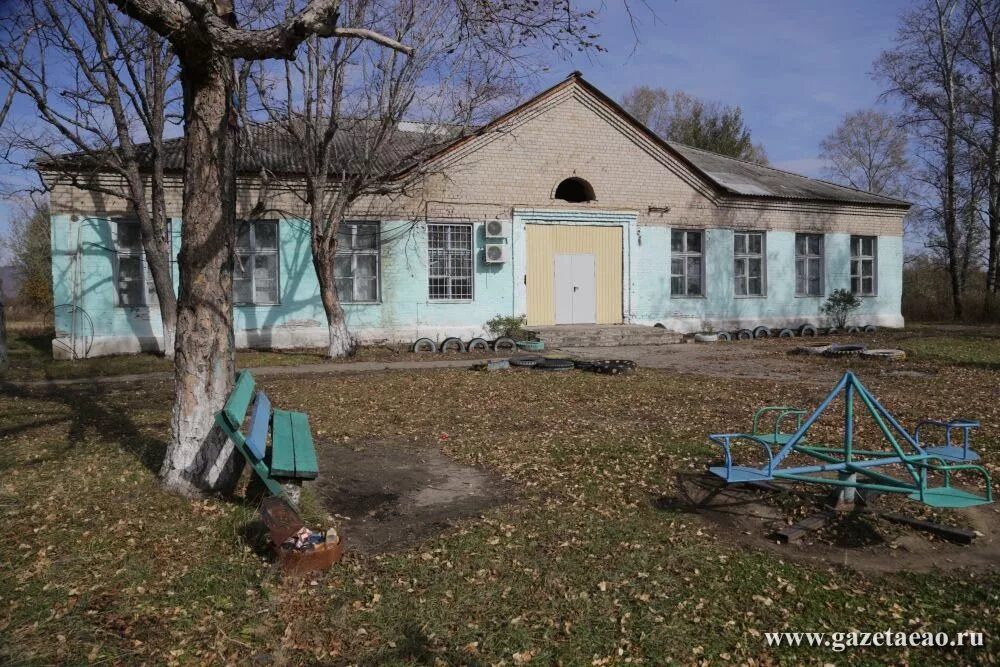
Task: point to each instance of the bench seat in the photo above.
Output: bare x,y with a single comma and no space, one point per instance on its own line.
291,455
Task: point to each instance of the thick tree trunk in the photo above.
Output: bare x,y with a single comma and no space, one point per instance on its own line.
199,457
339,343
3,337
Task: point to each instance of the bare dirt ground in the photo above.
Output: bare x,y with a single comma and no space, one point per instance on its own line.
390,497
860,539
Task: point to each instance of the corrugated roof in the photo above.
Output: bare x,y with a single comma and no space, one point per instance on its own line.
272,148
753,180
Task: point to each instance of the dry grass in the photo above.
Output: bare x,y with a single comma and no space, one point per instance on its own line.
101,565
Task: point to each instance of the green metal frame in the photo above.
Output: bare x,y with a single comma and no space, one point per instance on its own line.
856,468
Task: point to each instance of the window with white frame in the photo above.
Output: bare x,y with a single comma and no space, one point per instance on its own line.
809,265
687,262
449,254
255,274
134,282
356,266
863,265
748,264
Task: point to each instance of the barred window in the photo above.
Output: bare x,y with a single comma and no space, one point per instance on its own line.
133,281
809,265
687,265
863,265
356,266
255,274
748,263
450,262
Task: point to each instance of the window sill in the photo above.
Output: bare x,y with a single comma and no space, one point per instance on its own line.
810,296
360,303
749,296
256,305
687,296
156,308
436,301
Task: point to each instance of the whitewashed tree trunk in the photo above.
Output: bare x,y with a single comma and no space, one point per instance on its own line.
339,344
200,458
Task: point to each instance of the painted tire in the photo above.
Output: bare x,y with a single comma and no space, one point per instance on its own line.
613,367
853,330
555,365
706,337
885,354
786,333
833,331
531,345
524,362
452,345
724,336
761,332
744,334
814,349
808,330
504,344
870,328
424,345
845,350
478,345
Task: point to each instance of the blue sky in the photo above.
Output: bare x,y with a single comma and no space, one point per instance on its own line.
794,66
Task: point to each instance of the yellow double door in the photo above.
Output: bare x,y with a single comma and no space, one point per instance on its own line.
574,274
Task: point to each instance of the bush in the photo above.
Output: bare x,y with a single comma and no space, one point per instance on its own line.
839,306
508,325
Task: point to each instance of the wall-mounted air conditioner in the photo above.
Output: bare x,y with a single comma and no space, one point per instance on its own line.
497,253
498,229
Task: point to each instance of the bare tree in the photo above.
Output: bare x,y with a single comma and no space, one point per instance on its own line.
923,70
116,98
686,119
342,107
868,151
982,54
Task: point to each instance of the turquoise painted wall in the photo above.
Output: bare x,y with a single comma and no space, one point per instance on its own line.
405,309
654,303
404,306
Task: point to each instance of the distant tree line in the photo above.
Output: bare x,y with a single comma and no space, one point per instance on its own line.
941,152
682,117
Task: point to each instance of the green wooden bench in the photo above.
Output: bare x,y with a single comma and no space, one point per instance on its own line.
291,457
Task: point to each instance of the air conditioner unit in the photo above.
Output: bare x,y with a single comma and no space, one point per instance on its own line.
497,253
498,229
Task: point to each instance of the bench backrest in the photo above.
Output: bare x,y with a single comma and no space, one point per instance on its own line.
230,420
239,400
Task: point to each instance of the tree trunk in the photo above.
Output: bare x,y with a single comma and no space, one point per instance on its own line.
199,457
3,337
339,343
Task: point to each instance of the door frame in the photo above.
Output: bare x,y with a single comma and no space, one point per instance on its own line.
626,220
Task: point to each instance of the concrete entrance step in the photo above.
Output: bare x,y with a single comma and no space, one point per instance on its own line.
603,335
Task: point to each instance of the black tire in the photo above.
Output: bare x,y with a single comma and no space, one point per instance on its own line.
853,330
613,366
870,328
761,332
659,325
424,345
808,330
744,334
478,345
725,336
786,333
504,345
555,365
833,331
524,362
584,364
452,345
845,350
